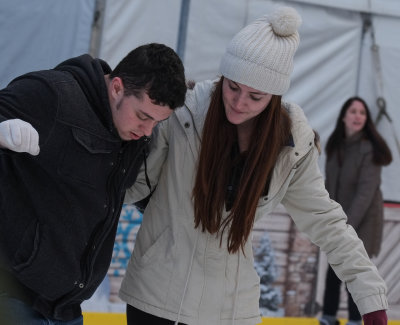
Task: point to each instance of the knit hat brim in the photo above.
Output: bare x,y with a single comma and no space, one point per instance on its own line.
254,75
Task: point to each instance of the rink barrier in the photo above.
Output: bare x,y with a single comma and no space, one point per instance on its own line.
91,318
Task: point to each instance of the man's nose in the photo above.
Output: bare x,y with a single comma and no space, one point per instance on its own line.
148,127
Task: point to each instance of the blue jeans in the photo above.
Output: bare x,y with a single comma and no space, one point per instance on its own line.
16,312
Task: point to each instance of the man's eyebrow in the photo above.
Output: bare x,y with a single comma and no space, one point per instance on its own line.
147,115
150,117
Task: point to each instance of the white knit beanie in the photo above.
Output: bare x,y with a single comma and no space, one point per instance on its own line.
260,56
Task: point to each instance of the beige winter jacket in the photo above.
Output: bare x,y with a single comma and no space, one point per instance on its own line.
180,273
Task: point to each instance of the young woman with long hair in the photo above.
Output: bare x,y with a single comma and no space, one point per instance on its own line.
355,153
227,158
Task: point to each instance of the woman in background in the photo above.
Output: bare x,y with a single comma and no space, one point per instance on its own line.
355,155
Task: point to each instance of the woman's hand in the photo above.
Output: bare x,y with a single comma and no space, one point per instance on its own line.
378,317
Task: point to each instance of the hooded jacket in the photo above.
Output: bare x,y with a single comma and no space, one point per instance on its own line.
59,210
180,273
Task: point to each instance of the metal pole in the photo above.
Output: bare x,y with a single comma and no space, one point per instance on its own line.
182,31
97,28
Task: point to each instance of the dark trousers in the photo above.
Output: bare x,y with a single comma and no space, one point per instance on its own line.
137,317
16,312
332,297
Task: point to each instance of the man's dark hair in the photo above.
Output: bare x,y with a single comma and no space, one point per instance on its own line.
156,69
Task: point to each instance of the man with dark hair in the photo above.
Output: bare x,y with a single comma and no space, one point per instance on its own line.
71,142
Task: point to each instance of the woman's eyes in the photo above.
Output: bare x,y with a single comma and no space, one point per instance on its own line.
356,112
252,97
256,99
233,88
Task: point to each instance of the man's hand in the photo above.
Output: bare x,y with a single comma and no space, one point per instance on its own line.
19,136
378,317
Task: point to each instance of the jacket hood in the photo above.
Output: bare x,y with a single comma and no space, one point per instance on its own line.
89,73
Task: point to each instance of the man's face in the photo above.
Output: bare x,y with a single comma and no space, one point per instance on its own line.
134,117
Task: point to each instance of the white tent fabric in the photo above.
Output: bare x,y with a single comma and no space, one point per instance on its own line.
334,60
128,24
36,35
381,7
388,40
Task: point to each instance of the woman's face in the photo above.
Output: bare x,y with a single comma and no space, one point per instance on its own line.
242,103
355,118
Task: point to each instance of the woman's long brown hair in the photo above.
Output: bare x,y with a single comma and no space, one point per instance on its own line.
270,134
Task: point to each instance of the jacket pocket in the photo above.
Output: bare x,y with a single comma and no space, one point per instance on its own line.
41,267
84,158
28,247
161,247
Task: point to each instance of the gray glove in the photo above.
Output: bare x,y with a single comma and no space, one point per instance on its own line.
19,136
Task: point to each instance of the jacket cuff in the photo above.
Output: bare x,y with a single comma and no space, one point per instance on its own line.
372,303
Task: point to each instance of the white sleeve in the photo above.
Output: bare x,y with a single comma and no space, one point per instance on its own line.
325,223
152,167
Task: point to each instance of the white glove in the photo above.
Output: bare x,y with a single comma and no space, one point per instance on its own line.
19,136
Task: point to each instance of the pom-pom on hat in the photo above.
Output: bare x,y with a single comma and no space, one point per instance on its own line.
260,56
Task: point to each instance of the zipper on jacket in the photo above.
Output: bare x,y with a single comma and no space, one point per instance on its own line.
100,236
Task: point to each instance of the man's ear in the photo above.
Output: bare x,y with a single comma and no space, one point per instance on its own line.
117,87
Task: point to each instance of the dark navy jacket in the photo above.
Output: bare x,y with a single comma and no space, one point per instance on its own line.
59,210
